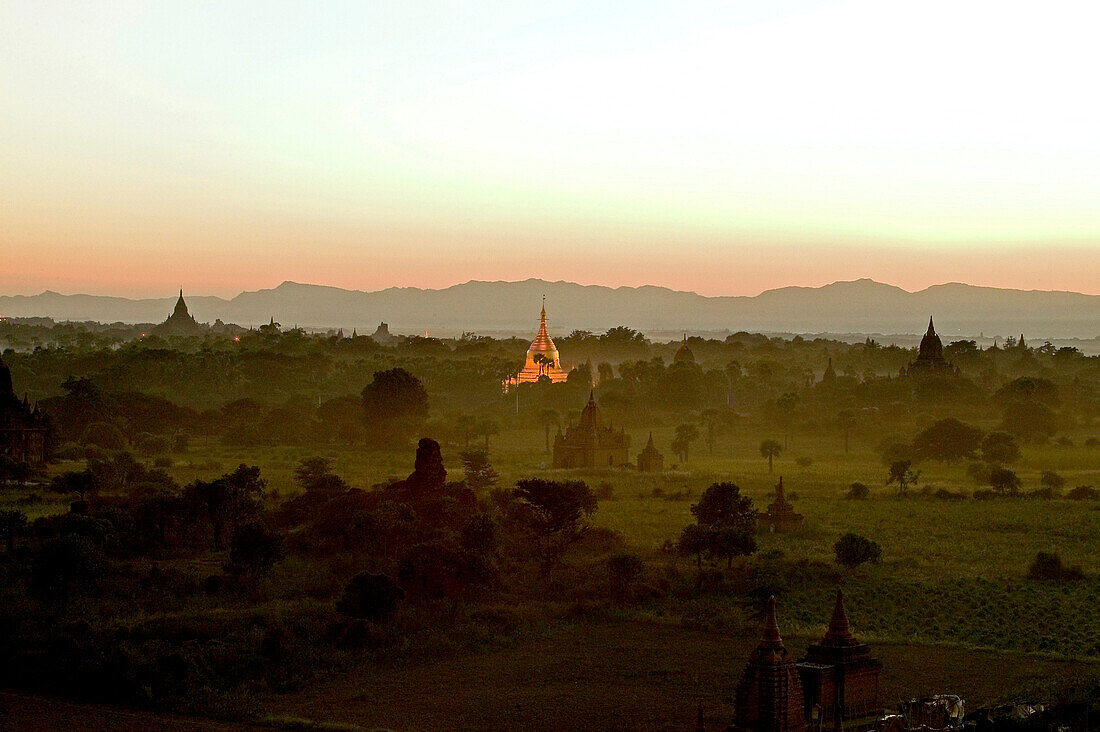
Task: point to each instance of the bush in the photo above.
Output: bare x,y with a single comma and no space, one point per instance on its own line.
369,597
853,550
945,495
623,570
1049,567
804,461
1052,480
1083,493
857,492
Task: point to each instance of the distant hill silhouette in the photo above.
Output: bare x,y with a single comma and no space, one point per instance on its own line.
861,306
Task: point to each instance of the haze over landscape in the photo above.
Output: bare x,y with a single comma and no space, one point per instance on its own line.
857,307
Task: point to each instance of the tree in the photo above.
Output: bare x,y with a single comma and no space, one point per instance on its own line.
12,523
395,405
623,570
947,440
1000,448
1052,481
369,597
82,484
902,475
1032,421
685,435
315,474
466,424
784,414
479,471
857,492
549,418
770,449
556,512
853,550
723,505
61,562
846,420
693,542
255,549
487,429
1004,480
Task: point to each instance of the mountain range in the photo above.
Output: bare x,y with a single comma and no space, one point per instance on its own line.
860,306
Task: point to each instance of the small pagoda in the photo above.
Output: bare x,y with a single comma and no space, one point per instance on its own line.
649,459
780,518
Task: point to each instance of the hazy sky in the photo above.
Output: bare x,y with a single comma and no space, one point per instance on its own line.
722,147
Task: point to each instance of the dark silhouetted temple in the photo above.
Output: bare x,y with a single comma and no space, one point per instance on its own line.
768,697
930,360
839,677
684,354
24,431
780,516
180,322
590,444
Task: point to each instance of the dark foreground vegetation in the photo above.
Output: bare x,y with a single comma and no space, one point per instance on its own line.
173,554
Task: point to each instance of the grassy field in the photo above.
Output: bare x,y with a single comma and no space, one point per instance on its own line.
923,538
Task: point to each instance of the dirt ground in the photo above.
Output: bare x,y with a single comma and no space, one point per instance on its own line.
19,712
626,676
632,676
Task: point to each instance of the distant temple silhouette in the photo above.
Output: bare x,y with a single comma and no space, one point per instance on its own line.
649,459
930,360
180,322
542,358
684,354
382,335
780,517
590,444
24,431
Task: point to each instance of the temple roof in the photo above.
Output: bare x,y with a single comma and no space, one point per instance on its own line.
840,632
931,349
543,343
684,354
181,307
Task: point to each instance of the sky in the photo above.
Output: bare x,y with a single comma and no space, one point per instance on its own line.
720,147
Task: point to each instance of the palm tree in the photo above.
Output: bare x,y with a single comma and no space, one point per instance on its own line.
487,428
466,424
549,418
846,420
685,435
770,449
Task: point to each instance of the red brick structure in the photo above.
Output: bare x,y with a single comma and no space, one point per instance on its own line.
769,695
649,459
780,517
590,444
840,678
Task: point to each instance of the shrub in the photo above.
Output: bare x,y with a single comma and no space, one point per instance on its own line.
1052,480
623,570
857,492
1049,567
369,597
945,495
853,550
804,461
1083,493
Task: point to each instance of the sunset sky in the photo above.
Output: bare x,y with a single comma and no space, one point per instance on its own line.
721,147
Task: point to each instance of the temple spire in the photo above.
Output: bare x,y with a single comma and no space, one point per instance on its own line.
839,629
771,626
543,317
931,328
